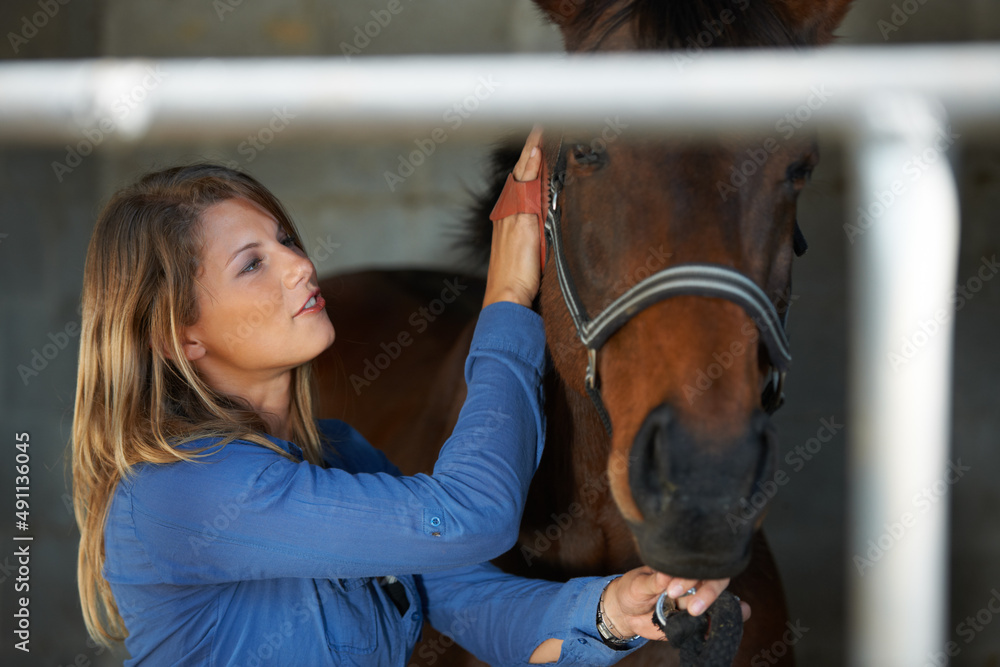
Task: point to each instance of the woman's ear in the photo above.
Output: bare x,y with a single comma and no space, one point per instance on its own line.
192,347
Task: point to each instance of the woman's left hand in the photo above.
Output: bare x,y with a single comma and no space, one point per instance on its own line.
515,267
630,599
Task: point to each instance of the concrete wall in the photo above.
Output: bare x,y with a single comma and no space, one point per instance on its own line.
341,200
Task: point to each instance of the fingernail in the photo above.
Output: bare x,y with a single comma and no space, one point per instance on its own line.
534,151
675,590
697,607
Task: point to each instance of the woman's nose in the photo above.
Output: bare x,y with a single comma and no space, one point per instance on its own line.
299,268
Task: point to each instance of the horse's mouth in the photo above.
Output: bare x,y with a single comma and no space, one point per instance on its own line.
697,520
664,555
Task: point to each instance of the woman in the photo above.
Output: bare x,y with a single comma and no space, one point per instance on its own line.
221,524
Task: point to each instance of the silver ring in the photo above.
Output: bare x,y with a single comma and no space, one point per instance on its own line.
690,591
665,608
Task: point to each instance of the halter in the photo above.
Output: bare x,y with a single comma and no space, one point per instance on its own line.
691,278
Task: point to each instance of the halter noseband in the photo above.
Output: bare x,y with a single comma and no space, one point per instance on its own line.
691,278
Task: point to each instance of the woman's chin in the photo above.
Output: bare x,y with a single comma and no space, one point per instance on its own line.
332,334
305,344
324,340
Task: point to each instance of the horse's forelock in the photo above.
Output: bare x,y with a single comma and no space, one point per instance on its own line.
659,24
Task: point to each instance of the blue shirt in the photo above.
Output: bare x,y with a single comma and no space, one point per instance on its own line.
246,557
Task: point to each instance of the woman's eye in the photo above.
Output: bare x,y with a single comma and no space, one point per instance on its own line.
288,242
252,265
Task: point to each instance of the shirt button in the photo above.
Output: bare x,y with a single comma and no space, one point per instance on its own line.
435,521
582,641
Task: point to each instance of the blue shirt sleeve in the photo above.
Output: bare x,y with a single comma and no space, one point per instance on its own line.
502,618
246,512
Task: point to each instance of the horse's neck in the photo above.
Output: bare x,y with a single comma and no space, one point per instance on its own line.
571,520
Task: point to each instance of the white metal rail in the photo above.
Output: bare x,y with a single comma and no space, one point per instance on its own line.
214,99
890,106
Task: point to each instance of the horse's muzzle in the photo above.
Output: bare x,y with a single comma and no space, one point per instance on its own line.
695,496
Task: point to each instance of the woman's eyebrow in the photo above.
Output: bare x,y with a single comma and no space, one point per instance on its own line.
254,244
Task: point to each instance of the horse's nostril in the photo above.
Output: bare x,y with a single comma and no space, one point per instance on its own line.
671,471
691,488
649,465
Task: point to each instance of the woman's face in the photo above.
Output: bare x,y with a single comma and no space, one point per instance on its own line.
253,288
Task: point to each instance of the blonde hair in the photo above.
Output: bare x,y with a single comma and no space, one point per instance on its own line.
134,404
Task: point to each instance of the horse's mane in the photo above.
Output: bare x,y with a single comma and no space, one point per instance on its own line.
475,236
658,25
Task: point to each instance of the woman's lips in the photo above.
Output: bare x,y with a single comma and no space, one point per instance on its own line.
317,301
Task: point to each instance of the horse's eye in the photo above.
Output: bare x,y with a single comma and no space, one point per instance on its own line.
798,173
585,154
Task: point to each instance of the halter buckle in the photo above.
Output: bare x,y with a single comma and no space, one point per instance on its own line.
591,377
774,394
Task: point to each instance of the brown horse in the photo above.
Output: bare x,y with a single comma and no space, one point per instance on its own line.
684,382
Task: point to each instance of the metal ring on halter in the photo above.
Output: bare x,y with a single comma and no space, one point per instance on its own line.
690,591
661,613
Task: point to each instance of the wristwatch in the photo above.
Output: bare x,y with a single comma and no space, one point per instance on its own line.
606,629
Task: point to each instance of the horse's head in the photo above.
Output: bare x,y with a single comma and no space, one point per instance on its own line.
686,381
692,451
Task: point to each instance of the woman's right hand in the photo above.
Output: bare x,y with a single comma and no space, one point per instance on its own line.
629,601
515,268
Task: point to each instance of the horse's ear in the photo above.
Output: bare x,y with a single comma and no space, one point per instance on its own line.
813,21
560,12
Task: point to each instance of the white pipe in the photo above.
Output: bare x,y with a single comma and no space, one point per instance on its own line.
212,99
904,221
